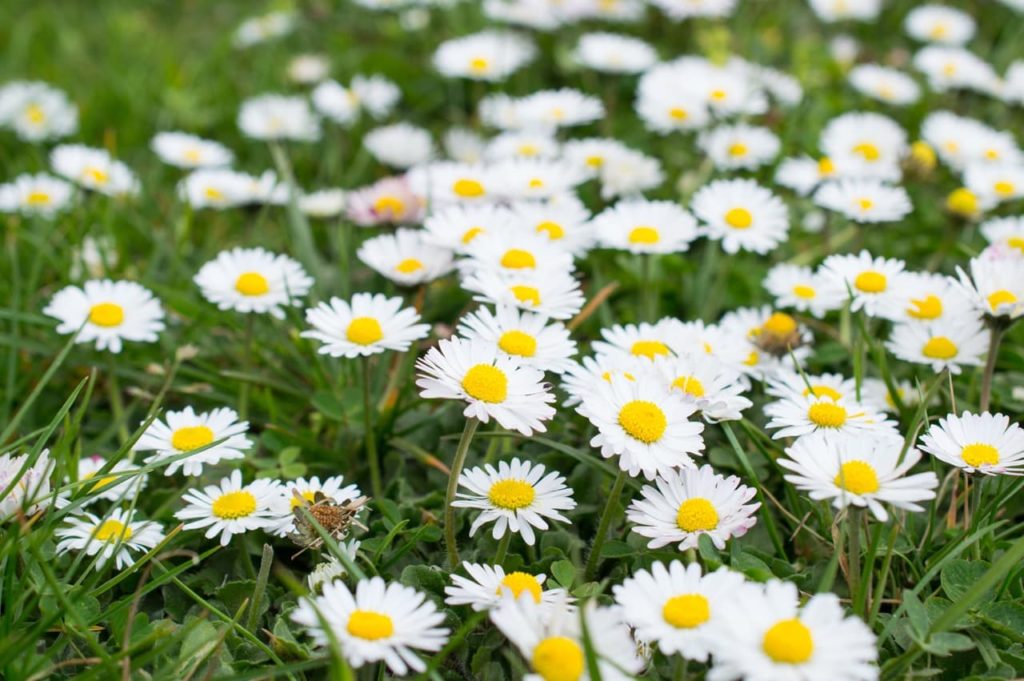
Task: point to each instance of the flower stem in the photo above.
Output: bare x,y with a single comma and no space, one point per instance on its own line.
995,338
371,437
453,484
499,557
602,529
853,556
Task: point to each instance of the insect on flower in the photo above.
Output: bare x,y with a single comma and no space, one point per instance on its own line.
335,519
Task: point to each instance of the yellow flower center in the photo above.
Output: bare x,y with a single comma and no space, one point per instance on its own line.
644,235
780,324
113,531
106,314
35,114
643,420
686,611
511,494
827,414
191,438
192,155
788,642
939,347
962,201
409,265
38,198
689,385
1016,242
719,95
738,149
938,31
595,161
820,390
1004,188
992,154
929,307
979,454
364,331
370,625
526,294
472,233
558,658
697,514
518,343
97,175
923,155
308,495
213,193
858,477
739,218
390,204
870,282
519,582
468,189
234,505
552,229
752,359
252,284
102,483
649,348
678,114
826,166
868,151
865,204
528,150
486,383
479,64
804,291
518,259
1001,297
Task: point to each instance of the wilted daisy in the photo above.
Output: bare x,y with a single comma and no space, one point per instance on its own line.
488,585
885,84
107,312
859,471
32,488
400,145
323,204
675,605
551,294
804,290
740,146
488,55
682,505
406,258
742,214
390,200
229,507
380,622
114,485
183,432
867,201
528,338
94,169
867,279
295,492
614,53
253,280
643,226
948,344
713,388
116,536
278,117
39,194
37,111
371,323
492,384
939,24
182,150
977,443
764,633
516,496
799,415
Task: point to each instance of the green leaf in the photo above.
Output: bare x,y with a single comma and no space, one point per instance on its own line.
424,577
916,613
707,550
1005,618
564,573
751,566
616,549
946,643
959,575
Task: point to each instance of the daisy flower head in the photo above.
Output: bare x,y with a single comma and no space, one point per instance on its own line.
865,145
629,174
444,182
644,226
379,622
547,109
548,293
185,431
323,204
332,568
294,491
643,340
800,415
885,84
939,24
864,472
308,69
866,279
739,146
375,94
592,153
803,290
665,110
956,68
742,214
579,381
949,344
114,485
531,339
926,297
108,313
488,585
278,117
713,388
831,11
803,174
564,223
515,252
259,29
682,505
675,606
219,188
960,141
867,201
252,280
536,179
488,56
493,384
522,144
32,488
995,183
644,424
114,537
614,53
400,145
800,385
678,10
369,324
36,111
1005,231
763,633
182,150
769,341
977,443
455,226
406,257
516,496
335,102
391,200
94,169
229,507
40,194
730,347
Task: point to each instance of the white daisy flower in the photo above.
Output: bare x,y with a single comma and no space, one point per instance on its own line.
684,504
644,340
182,432
614,53
33,487
580,380
961,141
463,145
335,102
488,55
739,146
536,179
371,323
644,226
221,188
675,606
592,153
678,10
798,385
37,111
865,145
949,344
255,30
229,507
925,297
885,84
859,471
867,279
456,226
115,536
323,204
489,585
1008,231
443,182
183,150
866,201
994,184
797,416
94,169
742,214
629,174
492,384
308,69
522,144
765,634
665,110
804,290
253,280
939,24
564,223
977,443
107,312
558,109
804,174
400,145
375,94
406,258
551,294
842,10
955,68
726,346
643,424
515,252
332,568
516,496
874,391
40,194
713,388
278,117
531,339
333,488
115,485
771,341
380,622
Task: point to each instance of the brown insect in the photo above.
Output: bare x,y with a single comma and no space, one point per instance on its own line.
335,519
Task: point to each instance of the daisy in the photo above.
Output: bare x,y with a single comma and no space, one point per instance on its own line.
956,68
515,252
332,568
390,200
37,111
803,174
370,324
558,109
564,223
549,293
643,424
107,312
488,55
40,194
308,69
802,289
380,622
684,504
32,488
516,496
675,606
183,432
278,117
961,142
629,174
866,201
728,347
866,278
865,145
229,507
925,297
580,380
375,94
939,24
742,214
842,10
182,150
643,340
332,488
335,102
665,110
255,30
456,226
859,471
771,341
977,443
764,633
535,179
885,84
994,184
678,10
253,280
714,389
592,153
489,585
522,144
115,536
406,258
94,169
115,484
797,416
444,182
323,204
643,226
217,188
400,145
493,385
614,53
792,384
739,147
949,344
528,338
463,145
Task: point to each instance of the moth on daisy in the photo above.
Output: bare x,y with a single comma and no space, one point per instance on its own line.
183,432
114,537
531,339
253,280
742,214
488,585
293,492
108,313
229,507
371,323
977,443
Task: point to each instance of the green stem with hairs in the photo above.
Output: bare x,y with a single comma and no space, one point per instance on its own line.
453,484
995,338
594,559
371,437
